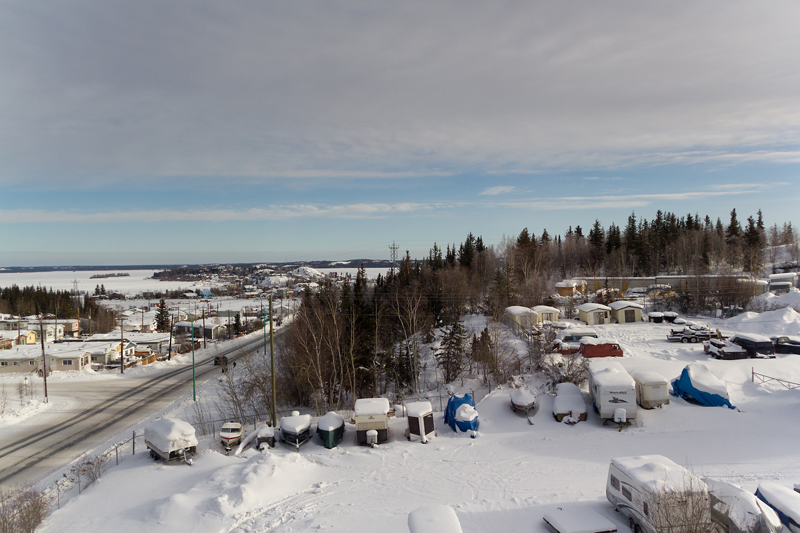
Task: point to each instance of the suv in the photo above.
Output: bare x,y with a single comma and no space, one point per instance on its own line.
755,345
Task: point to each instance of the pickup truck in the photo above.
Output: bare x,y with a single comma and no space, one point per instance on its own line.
692,334
722,349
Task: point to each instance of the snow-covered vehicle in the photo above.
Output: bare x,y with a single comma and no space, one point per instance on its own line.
691,333
755,345
698,384
230,435
612,390
739,511
330,428
657,494
786,344
784,501
568,405
296,429
372,414
461,415
171,439
652,389
522,401
720,349
568,341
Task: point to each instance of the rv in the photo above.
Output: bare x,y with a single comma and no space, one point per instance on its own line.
611,389
658,495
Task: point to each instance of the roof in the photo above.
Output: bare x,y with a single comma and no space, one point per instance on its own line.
622,304
518,310
610,374
545,309
753,337
588,308
658,474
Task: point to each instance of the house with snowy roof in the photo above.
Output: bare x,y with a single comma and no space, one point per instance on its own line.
625,312
592,314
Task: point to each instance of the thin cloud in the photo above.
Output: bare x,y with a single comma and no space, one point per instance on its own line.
499,189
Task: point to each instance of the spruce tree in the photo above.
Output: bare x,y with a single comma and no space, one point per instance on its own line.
162,317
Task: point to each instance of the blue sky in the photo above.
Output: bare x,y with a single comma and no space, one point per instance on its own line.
162,132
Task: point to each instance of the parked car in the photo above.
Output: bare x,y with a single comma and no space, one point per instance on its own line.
756,345
786,344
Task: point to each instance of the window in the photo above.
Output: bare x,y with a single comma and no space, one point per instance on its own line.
31,363
3,363
645,509
614,482
627,493
17,363
67,362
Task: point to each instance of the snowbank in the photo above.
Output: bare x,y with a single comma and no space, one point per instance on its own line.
434,519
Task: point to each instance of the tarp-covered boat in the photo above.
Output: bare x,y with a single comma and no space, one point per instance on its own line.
461,414
331,429
698,383
784,501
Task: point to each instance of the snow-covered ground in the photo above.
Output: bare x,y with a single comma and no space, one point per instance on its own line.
504,480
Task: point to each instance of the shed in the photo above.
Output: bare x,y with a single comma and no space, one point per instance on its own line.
519,319
593,314
625,312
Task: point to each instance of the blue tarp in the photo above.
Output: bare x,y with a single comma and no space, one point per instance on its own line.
453,404
683,387
788,521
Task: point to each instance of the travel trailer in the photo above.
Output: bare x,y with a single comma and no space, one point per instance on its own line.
657,495
611,389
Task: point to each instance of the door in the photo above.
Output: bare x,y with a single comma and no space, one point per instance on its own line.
630,315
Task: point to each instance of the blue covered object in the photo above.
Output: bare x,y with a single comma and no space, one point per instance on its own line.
451,411
698,383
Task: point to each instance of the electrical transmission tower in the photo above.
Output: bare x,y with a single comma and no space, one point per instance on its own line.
393,250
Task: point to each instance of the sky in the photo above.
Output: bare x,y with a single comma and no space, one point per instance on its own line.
173,131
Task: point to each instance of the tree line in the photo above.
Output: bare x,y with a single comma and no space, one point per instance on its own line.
359,339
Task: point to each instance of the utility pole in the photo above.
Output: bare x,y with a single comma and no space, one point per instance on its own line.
122,346
171,325
194,386
204,326
44,360
272,363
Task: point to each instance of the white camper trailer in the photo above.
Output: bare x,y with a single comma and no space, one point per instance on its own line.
652,389
612,389
372,414
658,495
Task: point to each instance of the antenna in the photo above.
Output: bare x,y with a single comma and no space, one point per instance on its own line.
393,249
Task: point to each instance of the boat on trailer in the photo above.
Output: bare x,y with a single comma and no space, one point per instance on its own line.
295,429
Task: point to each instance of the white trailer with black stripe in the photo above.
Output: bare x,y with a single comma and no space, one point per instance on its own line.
612,389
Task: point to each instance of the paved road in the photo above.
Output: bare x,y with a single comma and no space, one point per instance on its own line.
101,410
